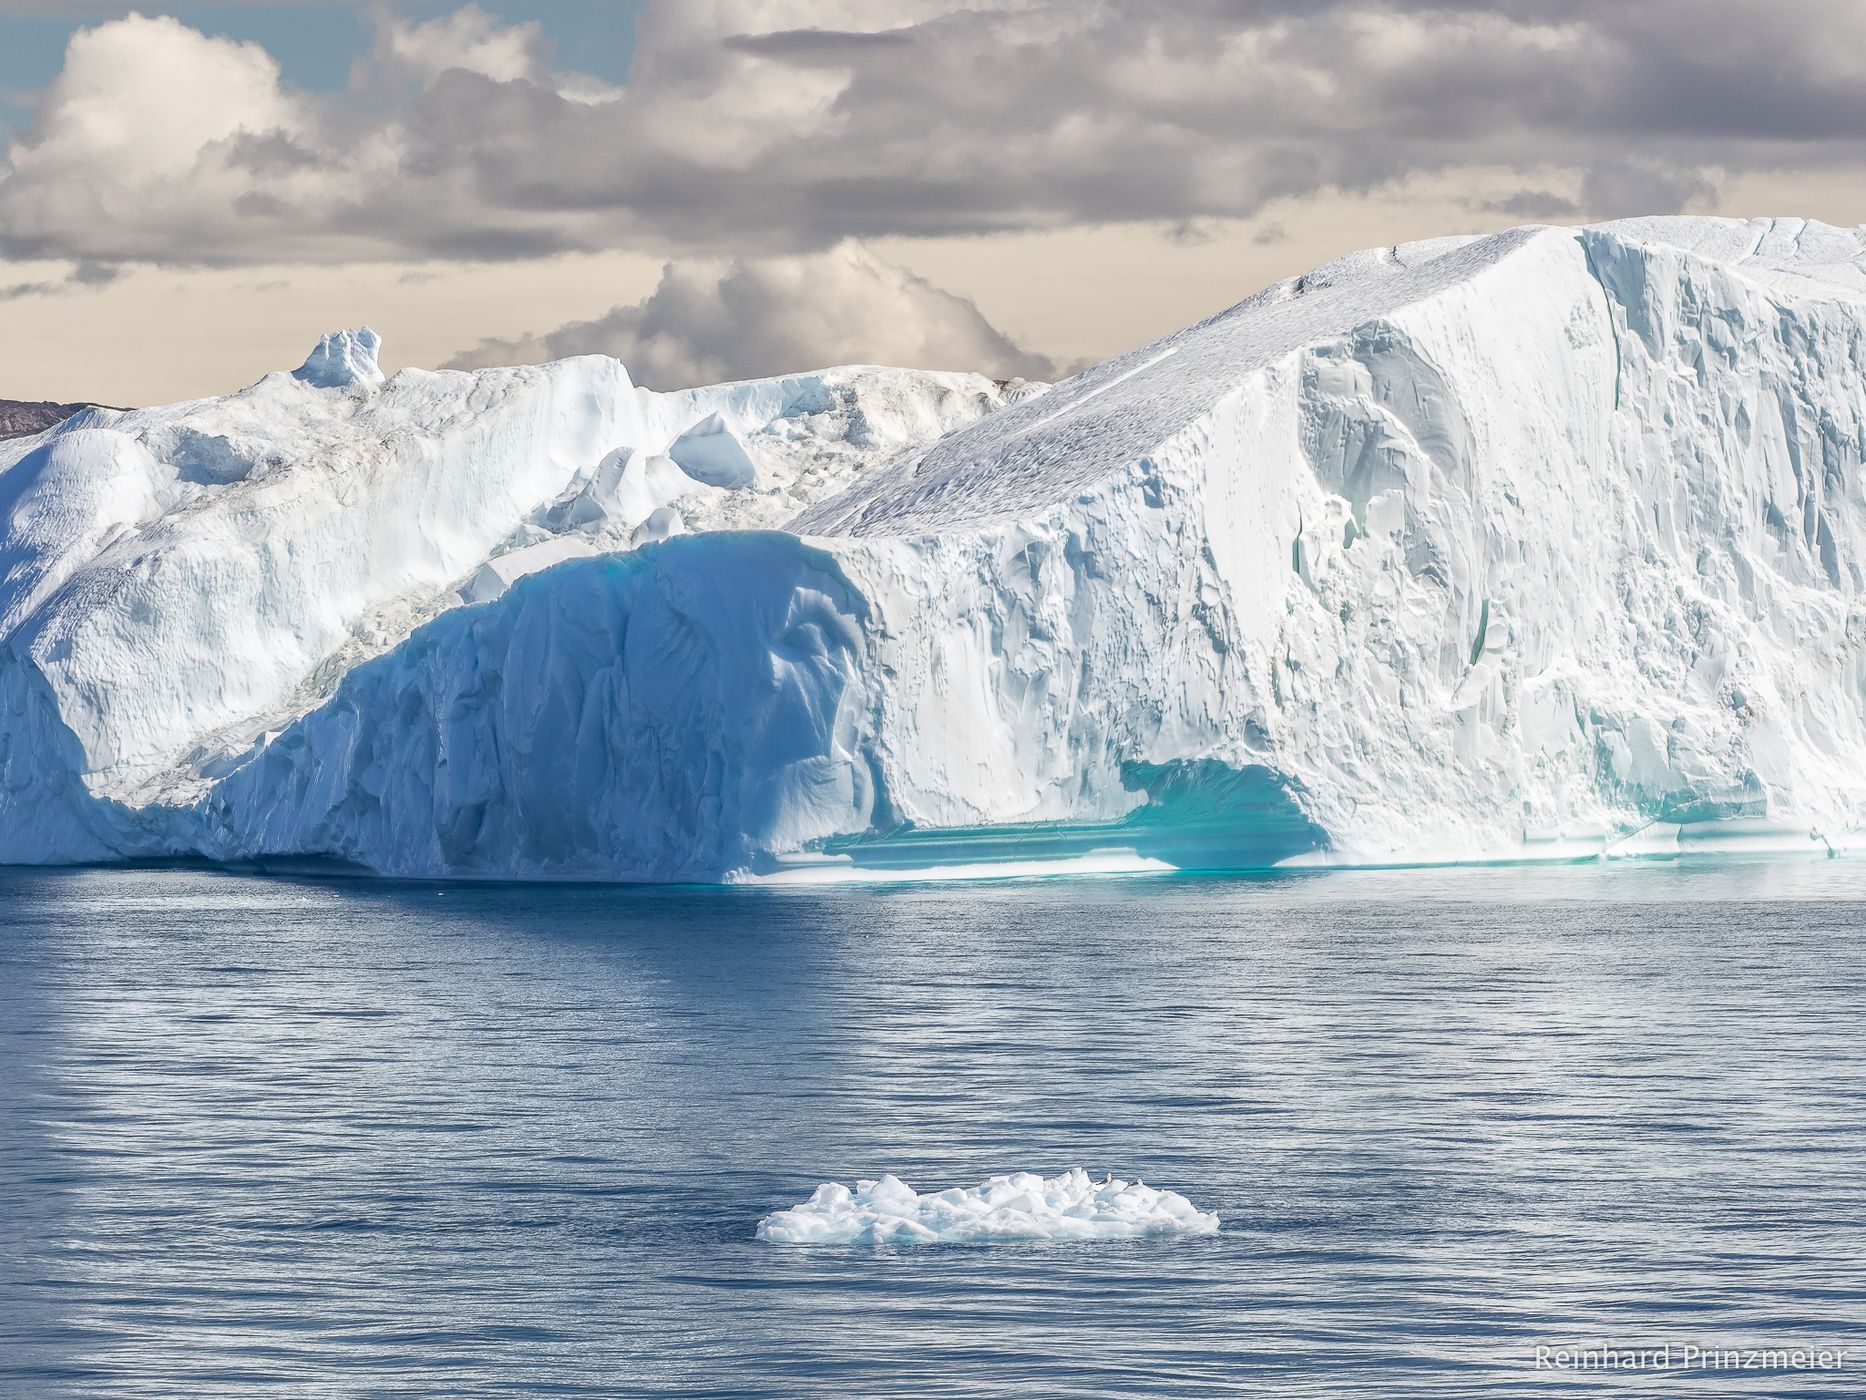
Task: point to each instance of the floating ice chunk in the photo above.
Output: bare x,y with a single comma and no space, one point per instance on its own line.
343,359
709,452
1020,1206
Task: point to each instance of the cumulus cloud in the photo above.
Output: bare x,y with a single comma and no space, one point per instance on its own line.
710,320
783,126
117,111
87,9
67,9
469,40
146,115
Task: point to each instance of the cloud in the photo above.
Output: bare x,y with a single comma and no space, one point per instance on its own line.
1189,233
770,127
91,8
468,40
1535,205
146,113
82,276
117,9
1616,189
709,321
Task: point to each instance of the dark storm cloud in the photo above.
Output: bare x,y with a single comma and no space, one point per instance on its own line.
1534,206
816,45
273,153
785,125
1614,190
81,276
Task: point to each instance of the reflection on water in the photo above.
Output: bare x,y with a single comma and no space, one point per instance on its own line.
340,1137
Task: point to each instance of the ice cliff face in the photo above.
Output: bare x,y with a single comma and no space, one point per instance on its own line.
1547,543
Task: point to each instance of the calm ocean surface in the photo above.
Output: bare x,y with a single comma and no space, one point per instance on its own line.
334,1138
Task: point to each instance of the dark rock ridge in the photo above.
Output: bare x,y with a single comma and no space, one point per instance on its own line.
24,419
19,419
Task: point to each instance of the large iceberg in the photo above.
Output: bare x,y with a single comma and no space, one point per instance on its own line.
1547,543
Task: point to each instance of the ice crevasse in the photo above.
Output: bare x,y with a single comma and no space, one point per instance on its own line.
1547,543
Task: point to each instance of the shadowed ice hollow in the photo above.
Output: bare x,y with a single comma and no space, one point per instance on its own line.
1020,1206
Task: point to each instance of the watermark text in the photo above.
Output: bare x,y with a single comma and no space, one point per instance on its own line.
1675,1356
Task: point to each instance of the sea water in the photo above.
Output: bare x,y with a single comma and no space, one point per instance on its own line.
323,1137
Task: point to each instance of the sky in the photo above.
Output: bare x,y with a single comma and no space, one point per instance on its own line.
190,194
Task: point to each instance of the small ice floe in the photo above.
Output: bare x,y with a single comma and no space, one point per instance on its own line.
1021,1206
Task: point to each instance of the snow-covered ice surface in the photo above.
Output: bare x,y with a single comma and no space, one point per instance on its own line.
1020,1206
1550,544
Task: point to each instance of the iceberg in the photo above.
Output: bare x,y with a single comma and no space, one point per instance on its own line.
1549,544
179,584
1022,1206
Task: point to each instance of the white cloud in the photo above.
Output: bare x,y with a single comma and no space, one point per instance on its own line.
470,40
149,125
710,321
140,100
